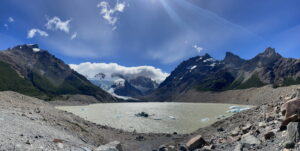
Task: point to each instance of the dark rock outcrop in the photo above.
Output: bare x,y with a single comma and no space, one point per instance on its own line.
46,76
205,73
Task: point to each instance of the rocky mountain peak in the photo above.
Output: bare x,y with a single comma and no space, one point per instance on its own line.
232,59
269,53
26,47
206,56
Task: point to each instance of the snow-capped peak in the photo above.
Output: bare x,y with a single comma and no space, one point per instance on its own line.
36,49
200,58
209,60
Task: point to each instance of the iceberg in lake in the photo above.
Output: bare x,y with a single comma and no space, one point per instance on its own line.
237,109
205,119
172,117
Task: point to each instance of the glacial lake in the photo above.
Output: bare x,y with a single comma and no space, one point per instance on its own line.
182,118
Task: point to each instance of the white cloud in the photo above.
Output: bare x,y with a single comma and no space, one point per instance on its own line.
91,69
198,49
110,14
74,36
57,24
5,25
11,20
34,31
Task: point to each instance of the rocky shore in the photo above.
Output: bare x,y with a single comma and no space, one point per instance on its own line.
32,124
254,129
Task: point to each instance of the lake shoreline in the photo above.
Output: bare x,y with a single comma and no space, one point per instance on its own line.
167,117
83,133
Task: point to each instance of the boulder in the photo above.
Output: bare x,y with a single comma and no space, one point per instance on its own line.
262,124
182,148
140,138
208,148
167,148
112,146
293,130
289,144
269,135
60,145
238,147
246,128
195,142
235,132
290,111
163,148
249,139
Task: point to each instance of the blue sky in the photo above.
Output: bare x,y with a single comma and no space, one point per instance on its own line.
159,33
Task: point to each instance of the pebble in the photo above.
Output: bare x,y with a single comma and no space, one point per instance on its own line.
27,142
60,145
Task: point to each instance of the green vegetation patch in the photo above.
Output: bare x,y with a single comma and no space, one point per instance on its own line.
254,81
10,80
225,81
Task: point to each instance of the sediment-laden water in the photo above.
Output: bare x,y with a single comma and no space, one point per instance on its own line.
163,117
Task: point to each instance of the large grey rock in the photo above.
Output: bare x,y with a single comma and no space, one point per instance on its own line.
238,147
246,128
195,143
293,130
235,132
112,146
250,140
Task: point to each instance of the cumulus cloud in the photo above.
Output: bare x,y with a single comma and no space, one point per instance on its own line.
56,23
110,14
11,20
198,49
91,69
34,31
74,36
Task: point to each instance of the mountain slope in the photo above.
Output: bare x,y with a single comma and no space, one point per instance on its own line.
44,75
204,73
122,85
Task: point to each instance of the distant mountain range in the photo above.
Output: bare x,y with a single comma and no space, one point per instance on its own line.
120,85
205,73
32,71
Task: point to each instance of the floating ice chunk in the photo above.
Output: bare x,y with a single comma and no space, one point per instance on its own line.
205,119
237,109
172,117
221,117
234,107
83,109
